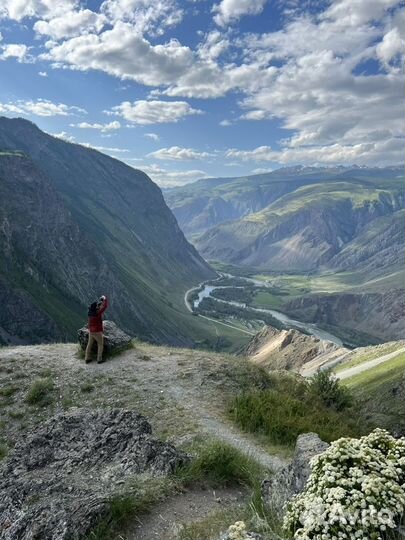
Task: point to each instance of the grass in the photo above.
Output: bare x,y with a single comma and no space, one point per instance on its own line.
221,465
289,408
267,300
216,464
41,393
371,380
359,357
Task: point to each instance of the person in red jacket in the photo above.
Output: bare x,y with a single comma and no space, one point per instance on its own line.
95,325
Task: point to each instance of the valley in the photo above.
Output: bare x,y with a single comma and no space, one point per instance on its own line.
329,241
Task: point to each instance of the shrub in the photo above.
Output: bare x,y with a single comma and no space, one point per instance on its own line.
325,386
40,393
355,491
220,465
282,415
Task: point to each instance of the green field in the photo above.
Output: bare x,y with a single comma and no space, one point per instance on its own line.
381,392
364,355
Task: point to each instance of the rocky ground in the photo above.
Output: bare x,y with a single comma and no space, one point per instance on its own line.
182,393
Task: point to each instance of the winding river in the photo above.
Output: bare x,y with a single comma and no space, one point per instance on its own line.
310,328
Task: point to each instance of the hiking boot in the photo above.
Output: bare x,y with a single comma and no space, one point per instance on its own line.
87,360
101,361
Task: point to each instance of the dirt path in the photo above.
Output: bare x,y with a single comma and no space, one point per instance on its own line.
350,372
168,517
181,392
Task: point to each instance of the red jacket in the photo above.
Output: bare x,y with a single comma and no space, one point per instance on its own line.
95,323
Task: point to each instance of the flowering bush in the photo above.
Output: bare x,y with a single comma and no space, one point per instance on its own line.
237,531
356,491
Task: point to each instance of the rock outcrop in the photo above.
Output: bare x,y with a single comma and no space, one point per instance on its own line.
115,339
292,479
291,350
57,482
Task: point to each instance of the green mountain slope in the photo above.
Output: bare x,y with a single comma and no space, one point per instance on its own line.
125,241
204,204
308,228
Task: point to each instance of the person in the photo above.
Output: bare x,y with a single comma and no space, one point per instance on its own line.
95,326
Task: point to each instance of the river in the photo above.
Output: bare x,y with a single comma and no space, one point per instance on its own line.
309,328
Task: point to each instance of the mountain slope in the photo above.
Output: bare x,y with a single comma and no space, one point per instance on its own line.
130,244
204,204
307,229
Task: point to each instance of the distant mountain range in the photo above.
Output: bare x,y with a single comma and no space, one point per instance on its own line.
74,224
348,221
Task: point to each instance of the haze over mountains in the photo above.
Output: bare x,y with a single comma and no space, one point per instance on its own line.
74,224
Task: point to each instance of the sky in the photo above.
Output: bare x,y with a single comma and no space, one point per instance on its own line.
186,89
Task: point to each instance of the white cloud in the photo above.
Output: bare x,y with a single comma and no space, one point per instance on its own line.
177,153
147,16
153,112
63,135
153,136
166,178
40,107
229,11
105,149
14,50
379,153
71,24
261,171
225,123
42,73
122,52
391,47
104,128
19,9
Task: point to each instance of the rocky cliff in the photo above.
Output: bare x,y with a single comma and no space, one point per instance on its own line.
80,224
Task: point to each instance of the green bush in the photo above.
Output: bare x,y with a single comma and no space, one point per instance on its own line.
287,409
41,393
220,465
325,386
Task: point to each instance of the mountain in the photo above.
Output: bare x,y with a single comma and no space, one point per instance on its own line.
208,202
75,223
314,223
319,225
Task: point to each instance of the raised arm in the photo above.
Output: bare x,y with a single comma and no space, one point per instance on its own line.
104,306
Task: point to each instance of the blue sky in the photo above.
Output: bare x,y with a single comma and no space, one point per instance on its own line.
185,89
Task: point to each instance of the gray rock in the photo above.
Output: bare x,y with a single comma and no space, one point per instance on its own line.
115,339
292,479
57,482
250,536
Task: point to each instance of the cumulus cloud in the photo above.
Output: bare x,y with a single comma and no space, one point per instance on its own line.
14,50
228,11
122,52
74,23
380,152
153,112
40,107
42,73
64,136
168,178
104,128
177,153
147,16
19,9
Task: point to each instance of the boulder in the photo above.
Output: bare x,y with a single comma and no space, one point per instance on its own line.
115,339
58,481
292,479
